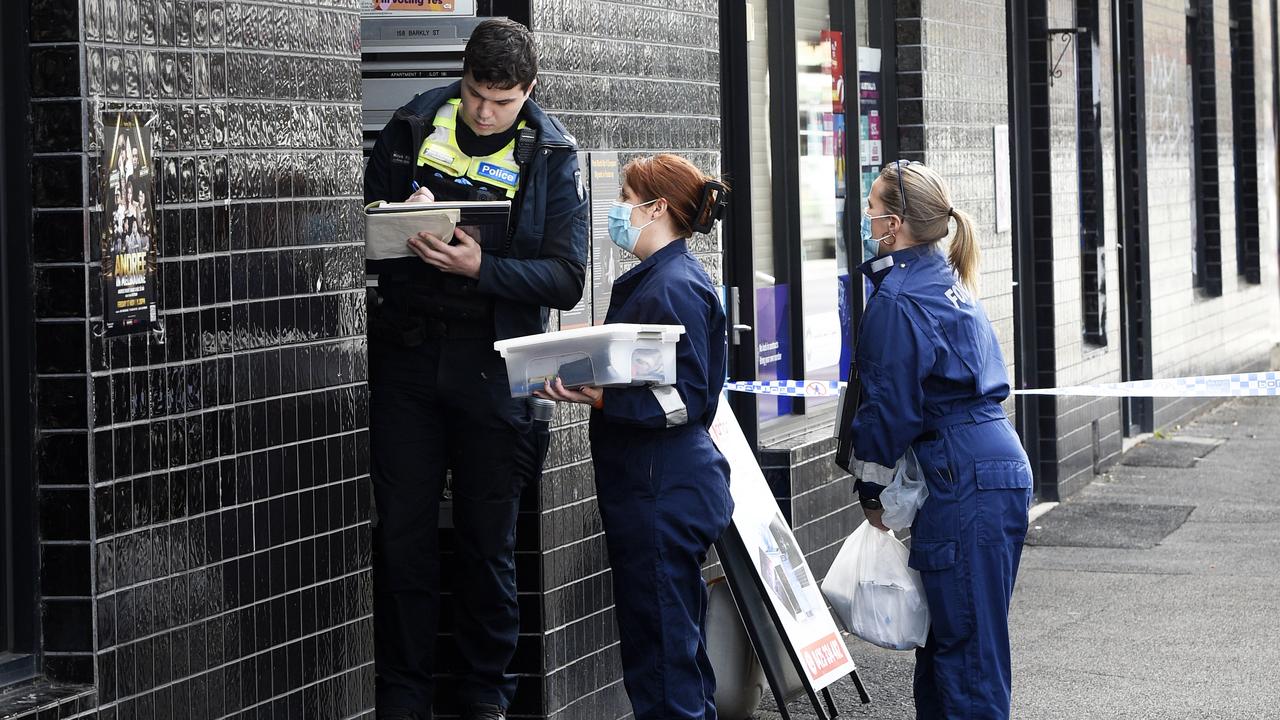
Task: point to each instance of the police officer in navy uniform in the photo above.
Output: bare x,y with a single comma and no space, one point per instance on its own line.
932,378
440,397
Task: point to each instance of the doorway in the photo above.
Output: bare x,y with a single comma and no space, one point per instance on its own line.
807,117
18,620
1131,173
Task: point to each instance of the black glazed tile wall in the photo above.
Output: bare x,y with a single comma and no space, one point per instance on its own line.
204,490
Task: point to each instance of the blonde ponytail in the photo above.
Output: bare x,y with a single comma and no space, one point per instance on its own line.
964,253
928,211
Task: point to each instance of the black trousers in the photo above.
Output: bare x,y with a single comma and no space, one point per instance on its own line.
445,405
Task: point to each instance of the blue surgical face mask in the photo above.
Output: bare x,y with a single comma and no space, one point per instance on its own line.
621,231
870,245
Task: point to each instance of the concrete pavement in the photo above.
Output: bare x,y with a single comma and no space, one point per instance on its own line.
1154,593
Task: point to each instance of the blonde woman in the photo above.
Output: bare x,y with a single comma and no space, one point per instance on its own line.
932,379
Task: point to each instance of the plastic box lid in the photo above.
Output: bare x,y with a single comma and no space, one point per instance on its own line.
614,331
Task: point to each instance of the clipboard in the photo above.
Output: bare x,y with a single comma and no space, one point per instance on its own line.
387,225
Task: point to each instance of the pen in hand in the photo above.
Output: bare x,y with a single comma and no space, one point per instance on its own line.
420,194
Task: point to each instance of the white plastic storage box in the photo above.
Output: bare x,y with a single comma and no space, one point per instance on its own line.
620,354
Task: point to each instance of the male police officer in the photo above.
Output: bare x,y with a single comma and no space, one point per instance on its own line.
440,397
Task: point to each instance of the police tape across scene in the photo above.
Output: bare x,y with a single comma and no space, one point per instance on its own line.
1235,385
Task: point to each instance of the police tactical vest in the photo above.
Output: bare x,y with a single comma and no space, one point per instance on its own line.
451,174
440,151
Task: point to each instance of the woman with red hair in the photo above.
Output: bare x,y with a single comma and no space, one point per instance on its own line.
662,486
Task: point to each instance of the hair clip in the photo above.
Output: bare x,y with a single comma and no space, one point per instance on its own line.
715,198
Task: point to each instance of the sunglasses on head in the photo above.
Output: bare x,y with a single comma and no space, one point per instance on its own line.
902,190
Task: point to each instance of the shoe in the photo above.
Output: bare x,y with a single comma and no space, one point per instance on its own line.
484,711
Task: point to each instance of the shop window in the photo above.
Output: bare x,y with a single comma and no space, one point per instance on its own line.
823,259
1206,233
1244,121
1093,269
805,99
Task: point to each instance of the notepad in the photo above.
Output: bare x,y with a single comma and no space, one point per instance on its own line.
388,226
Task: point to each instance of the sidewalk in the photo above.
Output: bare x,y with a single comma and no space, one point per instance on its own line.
1154,593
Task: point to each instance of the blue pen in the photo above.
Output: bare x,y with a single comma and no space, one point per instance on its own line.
414,184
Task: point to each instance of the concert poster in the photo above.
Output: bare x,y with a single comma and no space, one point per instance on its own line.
128,238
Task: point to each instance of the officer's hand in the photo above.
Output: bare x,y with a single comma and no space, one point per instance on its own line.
555,390
873,517
422,194
460,259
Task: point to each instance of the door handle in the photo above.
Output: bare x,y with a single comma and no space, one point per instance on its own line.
736,327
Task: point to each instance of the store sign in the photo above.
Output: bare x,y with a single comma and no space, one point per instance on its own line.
128,239
803,621
445,7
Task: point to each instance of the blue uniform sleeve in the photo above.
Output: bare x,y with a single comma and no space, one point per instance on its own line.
897,352
690,398
555,277
868,489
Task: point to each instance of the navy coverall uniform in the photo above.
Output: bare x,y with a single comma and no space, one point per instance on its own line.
933,377
663,489
441,402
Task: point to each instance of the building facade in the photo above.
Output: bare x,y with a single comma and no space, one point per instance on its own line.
186,509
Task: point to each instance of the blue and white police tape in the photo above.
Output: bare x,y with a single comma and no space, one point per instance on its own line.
1237,385
788,388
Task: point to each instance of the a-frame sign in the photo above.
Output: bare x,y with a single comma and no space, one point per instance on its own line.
798,642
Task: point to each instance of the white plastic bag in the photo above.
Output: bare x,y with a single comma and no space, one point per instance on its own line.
875,594
905,494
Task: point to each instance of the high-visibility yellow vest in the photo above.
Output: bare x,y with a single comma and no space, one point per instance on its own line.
440,150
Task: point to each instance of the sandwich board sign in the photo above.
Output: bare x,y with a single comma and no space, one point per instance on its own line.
798,642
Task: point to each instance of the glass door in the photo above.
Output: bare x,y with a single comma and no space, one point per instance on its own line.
823,256
803,119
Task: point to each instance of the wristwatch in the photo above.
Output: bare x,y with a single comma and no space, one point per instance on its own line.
870,503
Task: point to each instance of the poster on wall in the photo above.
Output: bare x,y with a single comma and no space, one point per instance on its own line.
580,315
128,240
606,258
773,346
834,40
803,621
871,145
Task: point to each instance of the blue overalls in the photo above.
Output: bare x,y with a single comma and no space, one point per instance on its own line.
933,377
663,490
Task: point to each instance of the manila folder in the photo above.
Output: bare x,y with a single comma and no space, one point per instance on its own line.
387,234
